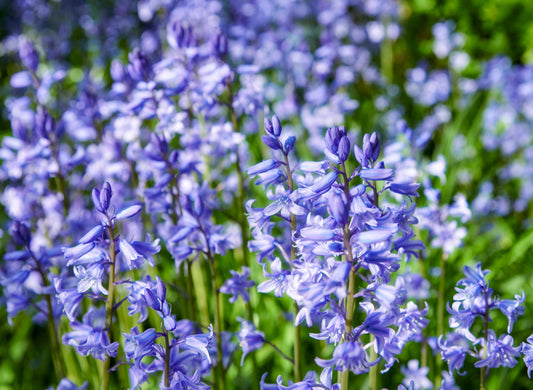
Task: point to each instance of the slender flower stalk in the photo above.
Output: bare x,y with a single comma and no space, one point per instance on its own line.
486,318
59,363
219,373
166,372
220,380
440,315
106,364
297,332
474,299
241,189
350,302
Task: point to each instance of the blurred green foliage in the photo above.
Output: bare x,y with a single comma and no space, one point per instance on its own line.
491,28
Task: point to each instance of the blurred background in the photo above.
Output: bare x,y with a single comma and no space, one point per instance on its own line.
488,159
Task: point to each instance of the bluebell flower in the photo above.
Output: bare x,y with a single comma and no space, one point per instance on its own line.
473,299
66,384
139,345
512,309
416,375
454,352
28,54
250,339
309,382
68,296
283,203
333,325
527,349
337,145
411,322
90,278
90,336
348,355
445,231
278,279
181,381
499,351
448,383
238,285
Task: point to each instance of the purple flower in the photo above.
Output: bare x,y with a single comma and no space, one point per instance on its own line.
453,352
527,350
139,345
348,355
512,309
28,54
238,285
250,339
283,202
309,382
416,375
500,352
66,384
337,145
90,337
278,279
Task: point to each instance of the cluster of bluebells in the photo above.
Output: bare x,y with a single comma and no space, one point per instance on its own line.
171,134
505,129
474,299
182,353
336,231
26,276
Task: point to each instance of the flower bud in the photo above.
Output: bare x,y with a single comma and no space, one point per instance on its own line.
276,126
21,233
28,55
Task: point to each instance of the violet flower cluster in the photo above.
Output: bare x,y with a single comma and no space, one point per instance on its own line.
474,299
339,233
155,136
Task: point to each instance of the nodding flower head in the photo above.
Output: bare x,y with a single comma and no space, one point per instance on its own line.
273,138
337,144
179,36
139,67
273,127
44,123
371,149
28,55
21,233
220,45
102,198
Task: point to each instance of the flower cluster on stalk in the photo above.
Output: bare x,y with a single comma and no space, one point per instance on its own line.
474,299
339,232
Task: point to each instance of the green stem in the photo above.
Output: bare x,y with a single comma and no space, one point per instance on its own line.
109,305
344,376
424,344
59,364
250,314
350,302
219,377
240,195
242,215
279,351
440,316
373,374
166,373
297,349
221,374
190,292
484,370
297,333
